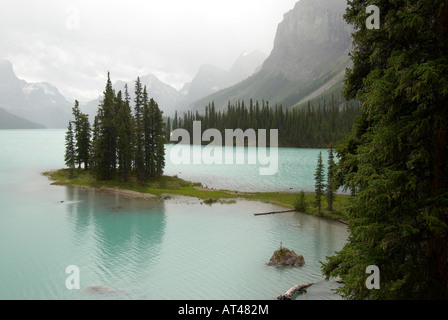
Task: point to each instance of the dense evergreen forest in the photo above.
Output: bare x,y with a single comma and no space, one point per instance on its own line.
395,161
121,141
316,126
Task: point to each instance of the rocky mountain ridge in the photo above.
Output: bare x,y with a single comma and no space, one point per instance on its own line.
310,52
41,103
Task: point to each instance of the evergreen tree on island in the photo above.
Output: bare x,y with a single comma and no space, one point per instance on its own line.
82,135
125,143
94,145
139,132
160,139
120,142
106,140
148,136
70,154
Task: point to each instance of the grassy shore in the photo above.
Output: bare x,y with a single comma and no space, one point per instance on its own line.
166,186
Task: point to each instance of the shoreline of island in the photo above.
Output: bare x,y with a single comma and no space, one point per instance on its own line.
166,187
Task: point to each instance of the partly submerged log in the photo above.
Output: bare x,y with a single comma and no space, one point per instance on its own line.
273,212
291,292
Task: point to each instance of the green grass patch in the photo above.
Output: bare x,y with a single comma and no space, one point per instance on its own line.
156,186
287,200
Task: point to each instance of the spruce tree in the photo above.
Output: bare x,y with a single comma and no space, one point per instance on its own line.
70,153
139,132
160,139
168,130
125,127
77,131
148,135
107,135
319,182
83,142
82,134
395,161
95,148
175,121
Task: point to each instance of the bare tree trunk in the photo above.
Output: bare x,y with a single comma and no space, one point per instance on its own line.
290,293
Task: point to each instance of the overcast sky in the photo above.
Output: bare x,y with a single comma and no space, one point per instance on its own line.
73,43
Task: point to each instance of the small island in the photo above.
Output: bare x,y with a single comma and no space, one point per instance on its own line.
124,153
165,187
286,257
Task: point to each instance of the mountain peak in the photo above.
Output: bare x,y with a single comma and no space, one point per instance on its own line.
210,79
40,102
5,64
165,95
246,65
255,55
149,78
312,33
7,71
309,57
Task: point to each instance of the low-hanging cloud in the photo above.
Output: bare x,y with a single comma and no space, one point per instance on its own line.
72,44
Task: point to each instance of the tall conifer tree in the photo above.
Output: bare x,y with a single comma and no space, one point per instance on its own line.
106,140
125,125
148,135
77,131
70,153
83,142
168,130
82,134
95,148
139,132
159,139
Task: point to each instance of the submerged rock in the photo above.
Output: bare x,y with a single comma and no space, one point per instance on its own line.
286,257
100,290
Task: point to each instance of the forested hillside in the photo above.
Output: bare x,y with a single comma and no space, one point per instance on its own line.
316,126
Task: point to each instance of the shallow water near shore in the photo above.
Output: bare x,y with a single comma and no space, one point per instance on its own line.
150,249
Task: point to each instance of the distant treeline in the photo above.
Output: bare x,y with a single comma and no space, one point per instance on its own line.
315,126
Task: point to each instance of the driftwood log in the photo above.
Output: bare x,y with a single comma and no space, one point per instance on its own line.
291,292
273,212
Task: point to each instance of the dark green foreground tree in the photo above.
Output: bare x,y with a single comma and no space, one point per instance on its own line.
396,160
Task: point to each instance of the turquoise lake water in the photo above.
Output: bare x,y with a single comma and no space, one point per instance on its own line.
146,249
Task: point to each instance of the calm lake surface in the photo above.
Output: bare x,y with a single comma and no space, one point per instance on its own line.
146,249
